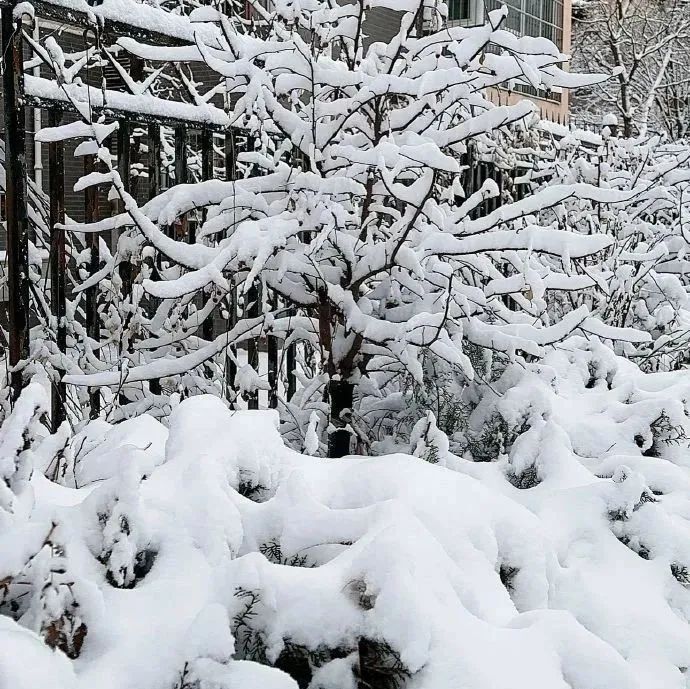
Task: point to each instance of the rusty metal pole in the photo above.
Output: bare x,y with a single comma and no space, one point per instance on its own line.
206,154
180,154
290,369
154,172
252,309
93,325
125,268
230,176
273,361
58,300
123,168
15,195
181,163
154,163
207,329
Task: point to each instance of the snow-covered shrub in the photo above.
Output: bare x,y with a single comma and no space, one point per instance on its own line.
641,281
19,435
125,551
390,571
357,229
51,608
428,441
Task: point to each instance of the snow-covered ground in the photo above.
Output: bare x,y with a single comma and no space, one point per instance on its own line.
198,555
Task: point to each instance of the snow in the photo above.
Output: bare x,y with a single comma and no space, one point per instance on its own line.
144,104
140,15
26,662
516,513
609,120
450,562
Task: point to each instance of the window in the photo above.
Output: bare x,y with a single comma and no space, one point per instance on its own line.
459,10
533,18
553,96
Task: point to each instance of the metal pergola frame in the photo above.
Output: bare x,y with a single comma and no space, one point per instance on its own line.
16,99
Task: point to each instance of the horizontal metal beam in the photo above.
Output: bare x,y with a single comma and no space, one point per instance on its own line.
42,93
143,22
131,115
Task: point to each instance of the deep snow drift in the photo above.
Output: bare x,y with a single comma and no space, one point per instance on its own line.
202,555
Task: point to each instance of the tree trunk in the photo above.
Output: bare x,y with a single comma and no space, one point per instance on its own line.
93,326
58,307
341,398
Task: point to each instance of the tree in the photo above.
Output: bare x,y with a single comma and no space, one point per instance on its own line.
641,45
360,220
108,315
640,283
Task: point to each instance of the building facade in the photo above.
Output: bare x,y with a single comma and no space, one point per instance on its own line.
548,18
540,18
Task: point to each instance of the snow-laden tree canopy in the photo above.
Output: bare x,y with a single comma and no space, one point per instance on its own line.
642,44
357,226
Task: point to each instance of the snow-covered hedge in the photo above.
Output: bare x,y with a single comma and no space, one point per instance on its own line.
209,555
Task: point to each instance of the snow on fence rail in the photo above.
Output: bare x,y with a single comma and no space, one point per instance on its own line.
70,90
120,18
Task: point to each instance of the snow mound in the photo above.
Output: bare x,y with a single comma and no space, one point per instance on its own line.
26,662
213,556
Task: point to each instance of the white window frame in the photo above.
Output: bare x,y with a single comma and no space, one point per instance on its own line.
531,18
476,13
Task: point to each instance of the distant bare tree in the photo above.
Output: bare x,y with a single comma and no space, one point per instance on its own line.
673,98
642,44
